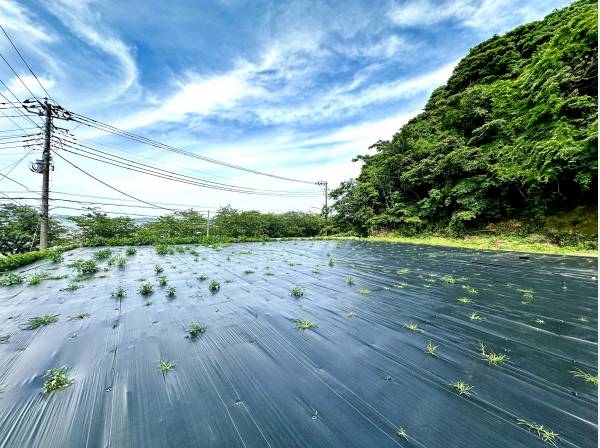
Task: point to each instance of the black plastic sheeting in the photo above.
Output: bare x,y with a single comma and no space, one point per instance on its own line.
253,379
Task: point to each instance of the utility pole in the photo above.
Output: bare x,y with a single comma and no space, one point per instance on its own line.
323,183
46,176
207,223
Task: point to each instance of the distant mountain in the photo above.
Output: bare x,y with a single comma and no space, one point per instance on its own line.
513,134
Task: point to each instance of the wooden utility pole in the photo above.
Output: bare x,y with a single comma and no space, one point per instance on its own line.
46,176
323,183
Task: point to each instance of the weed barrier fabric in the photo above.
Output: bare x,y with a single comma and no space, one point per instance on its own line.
253,379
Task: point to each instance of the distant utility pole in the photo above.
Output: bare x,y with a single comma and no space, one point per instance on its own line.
46,176
323,183
207,223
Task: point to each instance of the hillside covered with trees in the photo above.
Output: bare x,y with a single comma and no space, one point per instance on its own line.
512,135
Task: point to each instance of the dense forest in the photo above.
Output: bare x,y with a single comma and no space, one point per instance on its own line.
512,135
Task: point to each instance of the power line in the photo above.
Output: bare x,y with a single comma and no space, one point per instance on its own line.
166,174
110,186
25,62
140,139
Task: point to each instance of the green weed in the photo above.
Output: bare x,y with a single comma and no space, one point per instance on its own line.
316,270
331,262
102,254
464,300
171,292
11,279
587,377
4,338
56,257
350,281
214,286
403,271
131,251
121,261
73,286
146,289
162,280
248,271
148,302
350,314
166,366
431,349
304,324
469,289
476,317
158,269
448,279
202,277
543,433
364,292
119,293
493,359
528,295
41,321
195,330
37,278
163,249
297,292
402,433
57,379
84,266
411,326
462,388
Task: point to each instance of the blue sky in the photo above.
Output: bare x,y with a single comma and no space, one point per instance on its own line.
296,88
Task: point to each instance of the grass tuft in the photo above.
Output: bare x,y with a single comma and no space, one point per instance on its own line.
304,324
131,251
202,277
41,321
4,338
73,286
57,379
331,262
476,317
411,326
214,286
587,377
158,269
364,292
103,254
431,349
119,293
543,433
162,280
493,359
56,257
36,278
84,266
462,388
297,292
171,292
248,271
464,300
350,280
402,433
195,330
146,289
165,366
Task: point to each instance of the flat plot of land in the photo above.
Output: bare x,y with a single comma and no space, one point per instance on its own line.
359,375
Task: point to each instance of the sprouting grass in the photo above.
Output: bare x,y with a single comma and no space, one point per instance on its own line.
195,330
539,321
11,279
350,314
400,285
248,271
402,433
4,338
316,270
131,251
448,279
73,286
302,324
462,388
331,262
493,359
36,278
165,366
146,289
411,326
163,249
476,317
528,295
162,280
202,277
41,321
297,292
57,379
469,289
56,257
102,254
245,252
350,281
119,293
543,433
403,271
84,266
80,316
431,349
171,292
587,377
464,300
214,286
121,261
148,302
158,269
364,292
